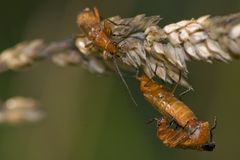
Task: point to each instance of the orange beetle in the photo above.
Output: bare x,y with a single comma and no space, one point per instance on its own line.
90,22
193,134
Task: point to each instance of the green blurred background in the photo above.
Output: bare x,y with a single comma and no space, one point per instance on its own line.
92,117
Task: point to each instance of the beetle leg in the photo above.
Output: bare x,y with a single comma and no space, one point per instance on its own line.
213,127
184,92
178,82
106,28
153,119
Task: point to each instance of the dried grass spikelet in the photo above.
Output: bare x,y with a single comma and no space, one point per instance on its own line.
143,45
20,56
146,46
187,40
171,47
67,59
20,110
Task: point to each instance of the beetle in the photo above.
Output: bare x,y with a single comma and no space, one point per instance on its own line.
193,134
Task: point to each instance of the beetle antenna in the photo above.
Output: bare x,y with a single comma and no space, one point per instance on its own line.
124,81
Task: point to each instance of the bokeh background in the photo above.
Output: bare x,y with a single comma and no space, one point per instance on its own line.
92,117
